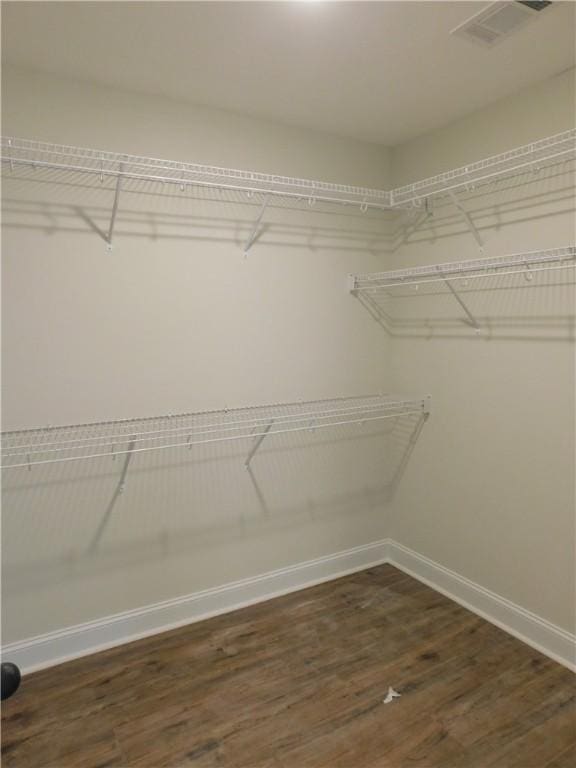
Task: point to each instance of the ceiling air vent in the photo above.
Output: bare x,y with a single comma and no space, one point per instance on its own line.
497,21
536,5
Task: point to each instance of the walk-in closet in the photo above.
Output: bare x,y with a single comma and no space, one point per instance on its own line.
288,384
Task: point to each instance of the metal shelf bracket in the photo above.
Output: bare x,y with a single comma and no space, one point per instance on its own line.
468,219
257,443
471,319
129,453
114,208
256,231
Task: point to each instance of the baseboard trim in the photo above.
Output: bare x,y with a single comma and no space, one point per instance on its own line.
549,639
53,648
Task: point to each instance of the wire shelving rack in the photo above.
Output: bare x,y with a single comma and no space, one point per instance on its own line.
526,264
458,279
37,155
535,156
31,154
57,444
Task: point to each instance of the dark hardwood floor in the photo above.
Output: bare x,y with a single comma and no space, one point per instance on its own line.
298,682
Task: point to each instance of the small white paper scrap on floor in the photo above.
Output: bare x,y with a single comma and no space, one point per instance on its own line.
391,695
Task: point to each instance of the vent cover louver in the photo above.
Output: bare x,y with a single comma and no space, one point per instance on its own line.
498,21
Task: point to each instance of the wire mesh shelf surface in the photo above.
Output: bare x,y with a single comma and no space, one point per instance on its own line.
529,157
36,155
25,448
513,264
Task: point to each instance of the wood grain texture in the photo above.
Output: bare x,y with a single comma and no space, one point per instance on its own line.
298,682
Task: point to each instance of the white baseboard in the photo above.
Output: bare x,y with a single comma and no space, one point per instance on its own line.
83,639
549,639
72,642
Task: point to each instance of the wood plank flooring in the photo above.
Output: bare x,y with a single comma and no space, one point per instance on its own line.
298,682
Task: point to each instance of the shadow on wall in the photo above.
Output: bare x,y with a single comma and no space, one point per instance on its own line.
50,203
73,520
54,201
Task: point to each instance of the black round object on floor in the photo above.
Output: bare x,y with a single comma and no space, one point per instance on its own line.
10,679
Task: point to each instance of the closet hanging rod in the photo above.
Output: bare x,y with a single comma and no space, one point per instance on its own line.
312,416
517,263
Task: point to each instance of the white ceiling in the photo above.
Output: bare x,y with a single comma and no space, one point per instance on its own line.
377,71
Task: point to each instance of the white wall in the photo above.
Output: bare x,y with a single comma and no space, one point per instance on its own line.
175,319
490,490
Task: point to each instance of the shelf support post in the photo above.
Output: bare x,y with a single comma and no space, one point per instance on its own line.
257,443
471,319
468,219
256,228
114,207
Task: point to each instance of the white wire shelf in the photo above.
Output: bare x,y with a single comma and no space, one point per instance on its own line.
37,154
549,151
17,153
525,264
51,445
